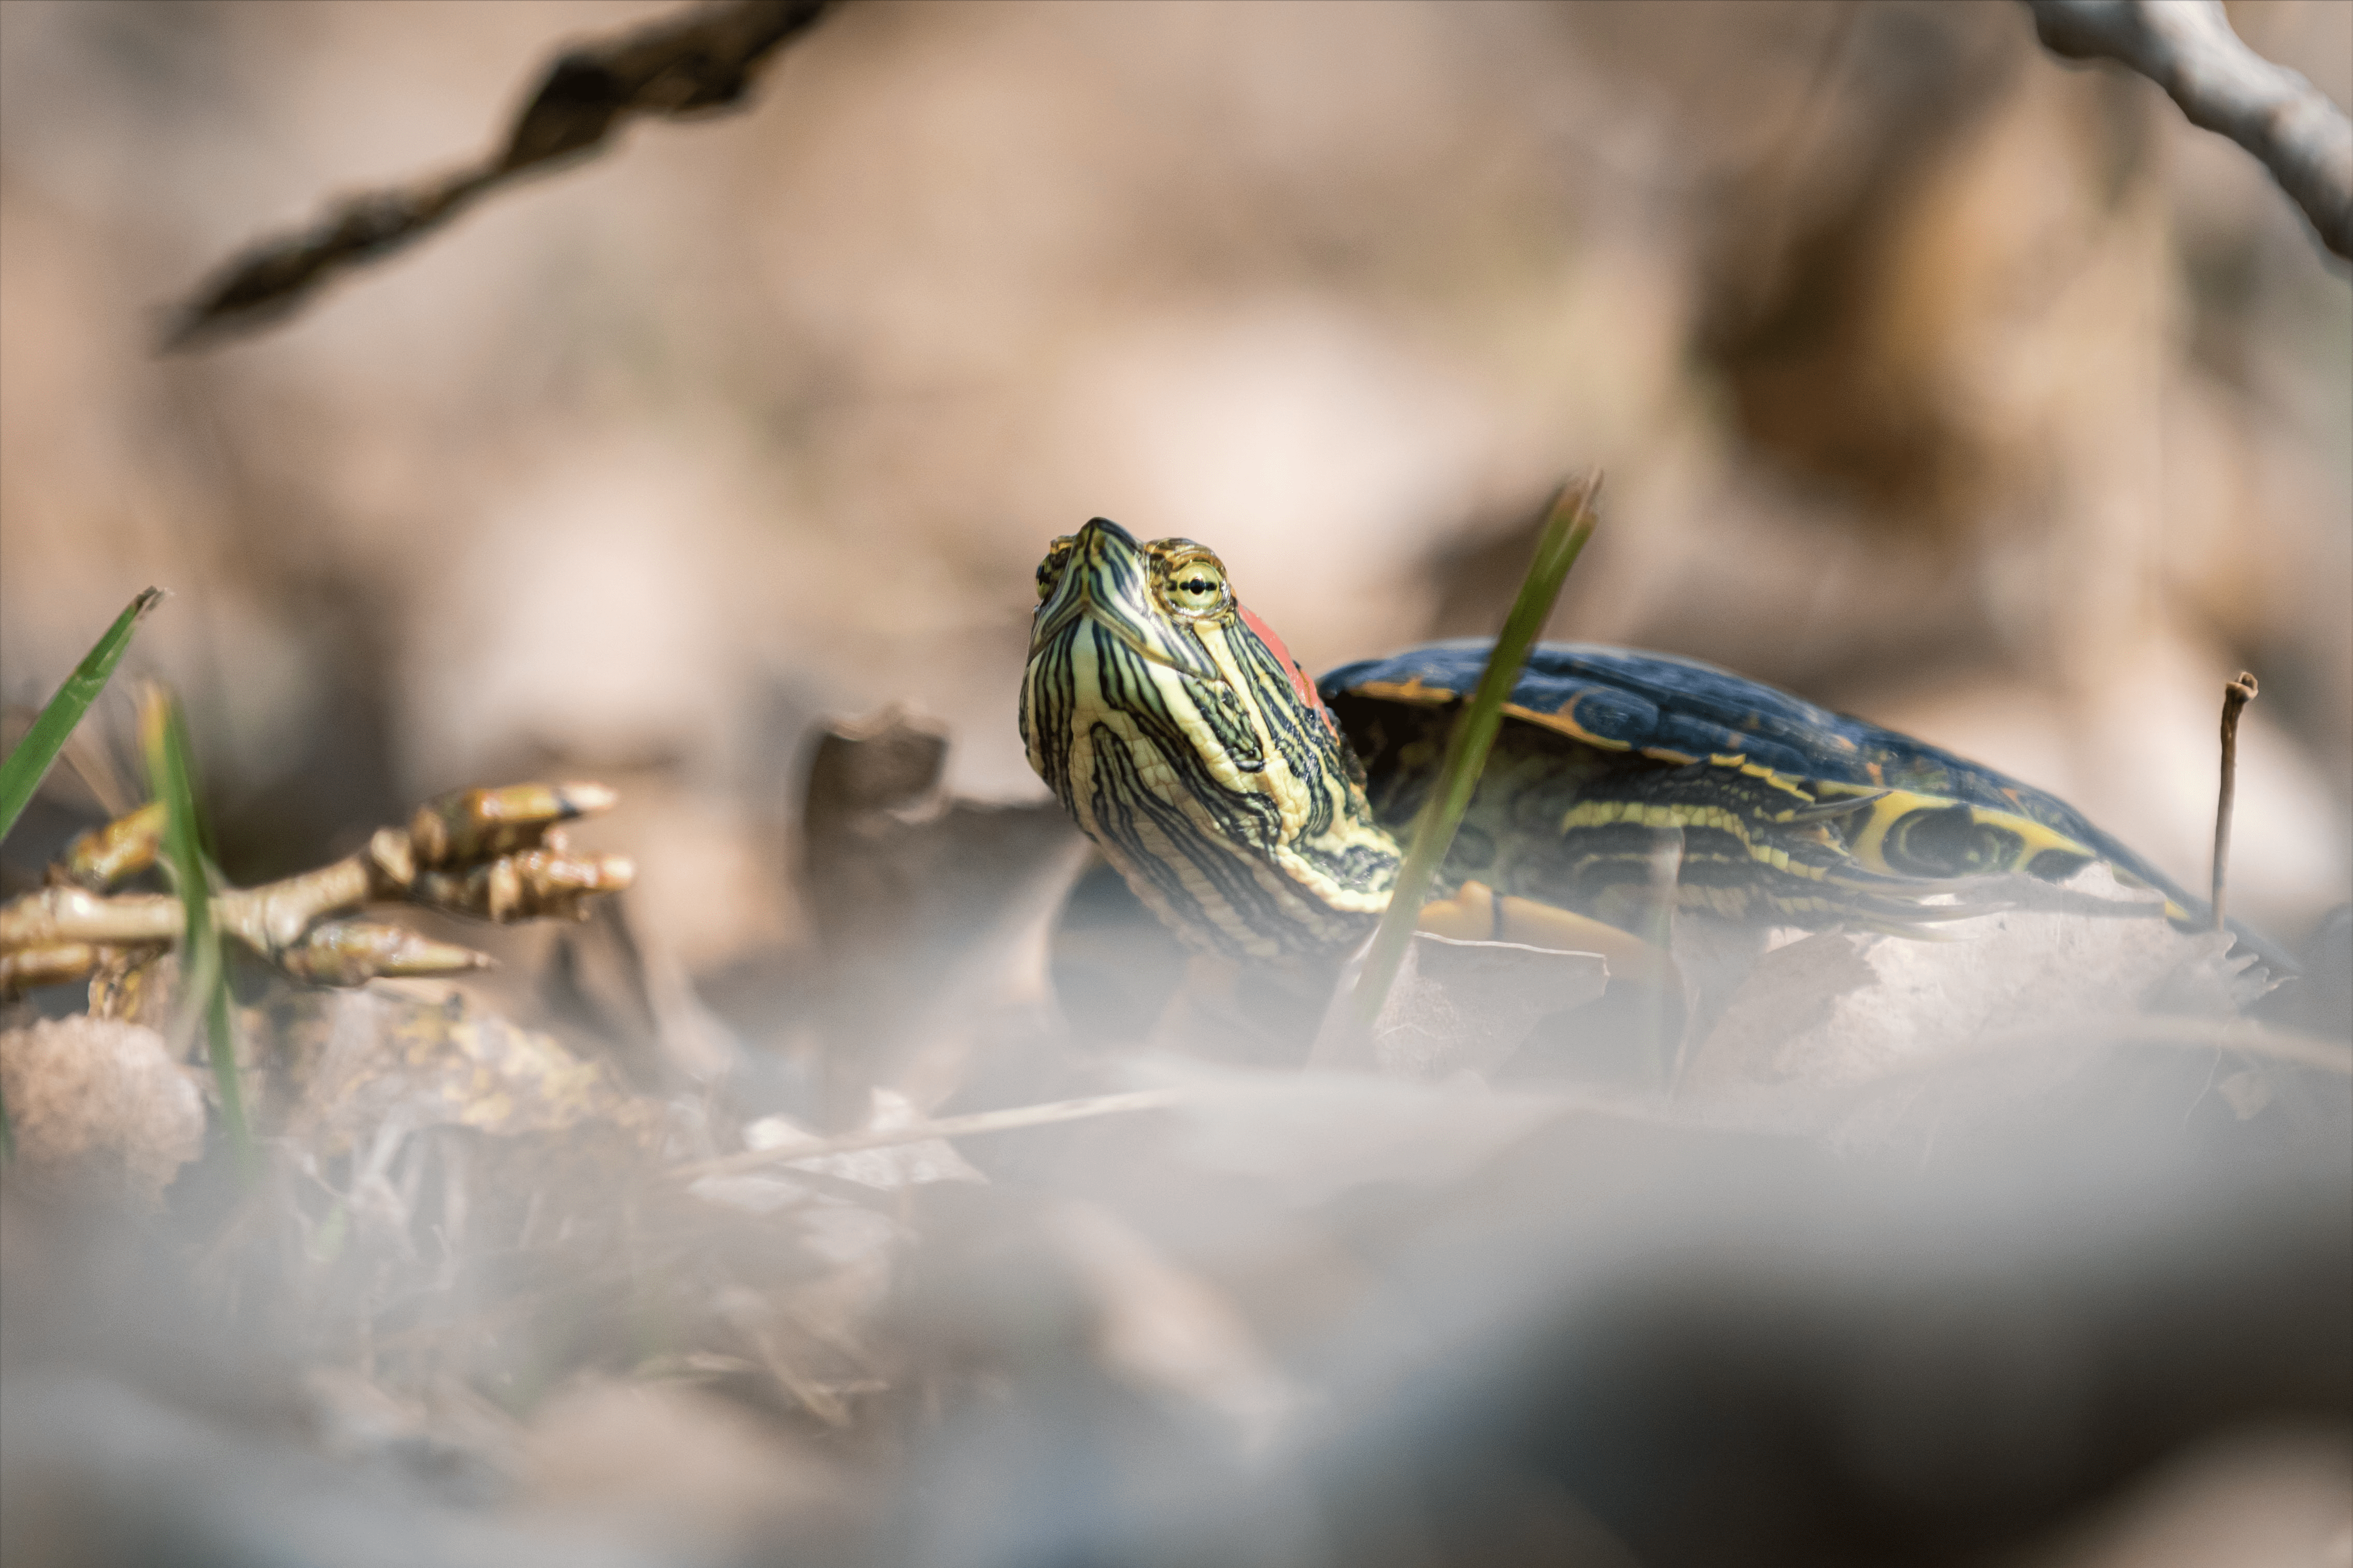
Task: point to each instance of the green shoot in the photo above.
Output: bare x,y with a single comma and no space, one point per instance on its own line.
29,763
1568,523
204,976
24,769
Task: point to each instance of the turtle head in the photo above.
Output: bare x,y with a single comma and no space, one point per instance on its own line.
1192,748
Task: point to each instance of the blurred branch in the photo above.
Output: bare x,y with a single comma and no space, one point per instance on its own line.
2186,48
496,855
700,63
1015,1120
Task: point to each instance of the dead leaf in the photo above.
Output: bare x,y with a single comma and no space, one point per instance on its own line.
413,1060
1465,1006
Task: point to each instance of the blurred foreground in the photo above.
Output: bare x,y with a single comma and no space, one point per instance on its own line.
1934,381
1901,1252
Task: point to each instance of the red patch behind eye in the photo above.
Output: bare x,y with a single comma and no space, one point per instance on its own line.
1299,682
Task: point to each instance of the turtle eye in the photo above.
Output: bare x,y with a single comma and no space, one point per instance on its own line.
1196,587
1049,570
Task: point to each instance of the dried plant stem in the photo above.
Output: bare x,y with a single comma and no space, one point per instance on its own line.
1569,521
495,855
701,60
2245,1036
2186,48
1010,1121
2235,698
265,919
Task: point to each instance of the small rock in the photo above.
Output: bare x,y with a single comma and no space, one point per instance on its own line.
98,1104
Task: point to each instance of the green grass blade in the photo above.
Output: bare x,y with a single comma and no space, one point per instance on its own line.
28,765
203,972
1568,523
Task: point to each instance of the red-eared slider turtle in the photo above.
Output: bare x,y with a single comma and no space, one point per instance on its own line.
1260,814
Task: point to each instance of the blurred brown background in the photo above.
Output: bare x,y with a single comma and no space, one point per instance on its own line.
1941,382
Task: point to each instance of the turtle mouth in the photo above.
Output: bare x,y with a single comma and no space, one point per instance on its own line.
1109,582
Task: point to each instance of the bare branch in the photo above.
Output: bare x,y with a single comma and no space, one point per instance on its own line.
2235,698
498,855
2186,48
977,1123
699,63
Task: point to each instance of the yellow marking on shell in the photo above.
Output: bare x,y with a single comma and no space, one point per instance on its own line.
1563,721
1416,690
1870,845
1421,693
2034,837
1601,813
1780,781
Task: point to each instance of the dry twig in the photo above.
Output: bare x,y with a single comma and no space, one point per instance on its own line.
1014,1119
494,854
2186,48
2235,698
701,62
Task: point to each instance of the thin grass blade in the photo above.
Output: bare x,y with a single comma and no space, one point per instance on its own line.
172,776
1568,523
29,763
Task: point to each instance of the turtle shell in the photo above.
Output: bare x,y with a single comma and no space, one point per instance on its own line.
1922,807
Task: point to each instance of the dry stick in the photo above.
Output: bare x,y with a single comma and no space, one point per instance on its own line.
2186,48
2235,698
946,1127
273,919
694,62
491,854
2245,1035
264,918
1568,523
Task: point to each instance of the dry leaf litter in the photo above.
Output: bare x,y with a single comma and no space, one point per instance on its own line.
503,1309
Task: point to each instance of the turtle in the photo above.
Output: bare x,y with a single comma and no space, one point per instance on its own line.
1260,814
